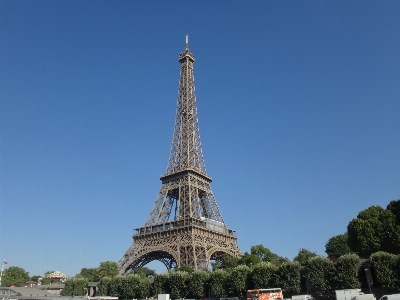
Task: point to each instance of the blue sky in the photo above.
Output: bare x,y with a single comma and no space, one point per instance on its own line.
298,105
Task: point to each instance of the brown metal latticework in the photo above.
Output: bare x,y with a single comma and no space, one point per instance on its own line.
185,226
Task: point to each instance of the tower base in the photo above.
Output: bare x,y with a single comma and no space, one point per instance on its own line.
189,242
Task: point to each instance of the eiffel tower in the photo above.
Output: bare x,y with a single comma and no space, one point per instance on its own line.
185,226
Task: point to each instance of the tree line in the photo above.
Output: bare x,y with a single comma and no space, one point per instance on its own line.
323,277
374,234
374,229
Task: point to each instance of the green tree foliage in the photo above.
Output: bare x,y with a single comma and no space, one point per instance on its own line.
304,256
346,272
237,282
249,259
36,278
14,275
116,287
394,207
320,273
107,269
185,269
178,284
337,246
225,261
386,269
46,280
103,288
258,253
75,287
145,272
159,285
218,280
287,277
263,253
262,275
143,291
266,255
374,230
198,284
88,273
127,285
134,286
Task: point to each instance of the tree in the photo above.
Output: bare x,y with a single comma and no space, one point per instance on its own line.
263,253
266,255
337,246
131,285
197,284
394,207
103,288
75,287
218,280
178,284
304,256
160,285
374,230
14,275
107,268
36,278
47,280
88,273
320,273
386,269
249,259
145,272
288,278
347,270
143,291
116,287
236,282
262,275
225,261
187,269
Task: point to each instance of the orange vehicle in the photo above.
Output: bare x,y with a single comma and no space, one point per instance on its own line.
265,294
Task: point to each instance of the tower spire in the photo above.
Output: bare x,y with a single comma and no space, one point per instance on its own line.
186,152
187,42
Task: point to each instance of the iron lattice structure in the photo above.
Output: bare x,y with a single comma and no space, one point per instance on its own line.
185,225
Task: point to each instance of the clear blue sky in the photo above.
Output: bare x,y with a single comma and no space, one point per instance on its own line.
298,105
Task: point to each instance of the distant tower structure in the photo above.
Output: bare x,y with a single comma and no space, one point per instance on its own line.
185,226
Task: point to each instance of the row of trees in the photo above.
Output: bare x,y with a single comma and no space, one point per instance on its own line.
14,276
109,269
374,229
199,284
17,276
106,268
322,275
257,254
374,233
